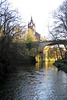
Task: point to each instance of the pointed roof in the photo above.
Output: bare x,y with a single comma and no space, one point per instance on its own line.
31,19
31,22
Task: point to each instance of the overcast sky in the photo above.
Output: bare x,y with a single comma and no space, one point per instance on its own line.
39,10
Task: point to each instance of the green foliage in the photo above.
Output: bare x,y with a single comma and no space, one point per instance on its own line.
29,38
59,63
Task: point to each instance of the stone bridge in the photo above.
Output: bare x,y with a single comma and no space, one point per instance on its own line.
41,44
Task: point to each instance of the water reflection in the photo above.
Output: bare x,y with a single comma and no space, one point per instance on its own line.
38,65
39,82
47,65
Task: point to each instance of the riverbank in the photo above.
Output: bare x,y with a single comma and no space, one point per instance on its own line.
6,69
61,65
15,53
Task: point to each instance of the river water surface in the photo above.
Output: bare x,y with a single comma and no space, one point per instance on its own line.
39,82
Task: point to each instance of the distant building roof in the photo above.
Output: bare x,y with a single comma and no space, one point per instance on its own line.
37,36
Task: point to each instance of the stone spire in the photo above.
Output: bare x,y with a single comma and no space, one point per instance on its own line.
31,19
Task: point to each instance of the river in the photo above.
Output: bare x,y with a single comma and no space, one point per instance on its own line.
39,82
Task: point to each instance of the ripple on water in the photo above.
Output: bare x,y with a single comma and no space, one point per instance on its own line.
35,85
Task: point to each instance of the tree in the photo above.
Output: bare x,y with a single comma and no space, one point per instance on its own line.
30,36
19,31
59,28
1,2
9,19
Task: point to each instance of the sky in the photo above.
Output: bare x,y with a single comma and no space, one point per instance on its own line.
39,10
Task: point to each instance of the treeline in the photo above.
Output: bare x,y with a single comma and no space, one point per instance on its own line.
14,49
58,31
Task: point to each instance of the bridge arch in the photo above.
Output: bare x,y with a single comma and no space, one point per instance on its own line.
47,44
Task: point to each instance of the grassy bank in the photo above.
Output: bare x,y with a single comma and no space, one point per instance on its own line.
61,64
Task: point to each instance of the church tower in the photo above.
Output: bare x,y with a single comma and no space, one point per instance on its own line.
31,25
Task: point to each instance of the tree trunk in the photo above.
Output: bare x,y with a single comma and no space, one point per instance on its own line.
60,51
56,53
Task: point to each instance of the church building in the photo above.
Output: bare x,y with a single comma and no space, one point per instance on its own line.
31,25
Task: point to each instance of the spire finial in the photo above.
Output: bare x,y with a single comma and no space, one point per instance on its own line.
31,19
